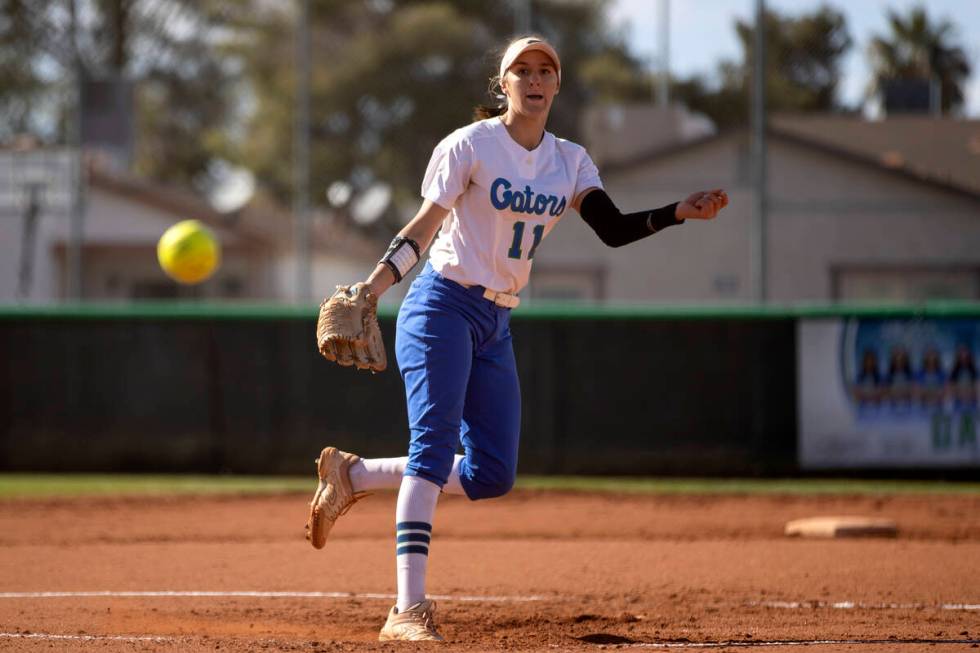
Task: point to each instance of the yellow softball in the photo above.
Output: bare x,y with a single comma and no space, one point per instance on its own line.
188,252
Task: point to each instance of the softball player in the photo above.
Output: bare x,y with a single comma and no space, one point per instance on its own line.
492,193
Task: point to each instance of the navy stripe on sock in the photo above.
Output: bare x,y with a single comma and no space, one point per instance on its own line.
412,548
414,537
413,526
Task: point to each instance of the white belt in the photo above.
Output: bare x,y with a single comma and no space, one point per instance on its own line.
502,299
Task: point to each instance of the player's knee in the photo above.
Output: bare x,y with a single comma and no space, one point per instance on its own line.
490,483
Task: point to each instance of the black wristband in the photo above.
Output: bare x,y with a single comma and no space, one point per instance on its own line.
665,216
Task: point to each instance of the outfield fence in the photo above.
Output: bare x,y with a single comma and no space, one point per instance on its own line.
234,389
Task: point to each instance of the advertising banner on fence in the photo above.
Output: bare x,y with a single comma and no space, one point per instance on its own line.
899,393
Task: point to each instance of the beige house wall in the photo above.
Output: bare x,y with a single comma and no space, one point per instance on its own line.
120,253
827,213
696,261
328,271
45,272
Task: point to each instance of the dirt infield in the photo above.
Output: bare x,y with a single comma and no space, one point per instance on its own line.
535,571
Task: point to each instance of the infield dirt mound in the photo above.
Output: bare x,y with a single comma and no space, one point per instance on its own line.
600,570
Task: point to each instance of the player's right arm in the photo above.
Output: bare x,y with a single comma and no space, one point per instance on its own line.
421,229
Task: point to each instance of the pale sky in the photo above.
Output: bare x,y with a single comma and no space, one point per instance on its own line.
702,32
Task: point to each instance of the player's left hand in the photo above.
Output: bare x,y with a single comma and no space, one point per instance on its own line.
702,205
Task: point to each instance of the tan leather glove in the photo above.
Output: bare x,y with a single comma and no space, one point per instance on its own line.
347,330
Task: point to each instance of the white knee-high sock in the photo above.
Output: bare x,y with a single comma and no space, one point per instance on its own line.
386,474
413,525
377,473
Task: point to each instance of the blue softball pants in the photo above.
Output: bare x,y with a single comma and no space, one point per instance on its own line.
455,355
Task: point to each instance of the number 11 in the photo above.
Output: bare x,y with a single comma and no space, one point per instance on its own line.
515,245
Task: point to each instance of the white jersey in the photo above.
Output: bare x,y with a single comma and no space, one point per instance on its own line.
503,201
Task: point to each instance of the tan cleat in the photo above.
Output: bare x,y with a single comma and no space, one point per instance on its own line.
334,494
413,625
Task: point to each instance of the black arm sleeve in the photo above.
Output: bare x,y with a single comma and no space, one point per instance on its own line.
616,229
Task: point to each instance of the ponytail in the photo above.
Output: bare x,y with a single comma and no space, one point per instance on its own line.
484,111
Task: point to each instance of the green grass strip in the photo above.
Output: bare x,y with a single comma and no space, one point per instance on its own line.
701,486
76,485
27,486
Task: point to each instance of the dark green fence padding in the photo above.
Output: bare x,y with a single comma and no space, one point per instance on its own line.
197,388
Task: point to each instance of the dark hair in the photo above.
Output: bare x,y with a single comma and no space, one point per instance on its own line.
869,359
899,361
931,362
484,111
966,366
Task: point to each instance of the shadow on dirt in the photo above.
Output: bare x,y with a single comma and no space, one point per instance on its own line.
605,638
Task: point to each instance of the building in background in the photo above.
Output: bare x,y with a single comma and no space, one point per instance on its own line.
622,132
124,216
858,210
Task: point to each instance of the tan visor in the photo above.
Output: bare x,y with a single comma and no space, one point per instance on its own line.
517,48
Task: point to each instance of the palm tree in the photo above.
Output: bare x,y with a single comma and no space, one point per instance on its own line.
920,49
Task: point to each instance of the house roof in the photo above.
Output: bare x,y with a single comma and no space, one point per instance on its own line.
173,200
940,151
260,223
616,132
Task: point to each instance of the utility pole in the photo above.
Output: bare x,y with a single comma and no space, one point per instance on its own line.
74,290
663,94
522,16
27,240
301,155
759,235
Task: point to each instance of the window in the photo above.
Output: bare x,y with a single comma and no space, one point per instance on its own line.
906,284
